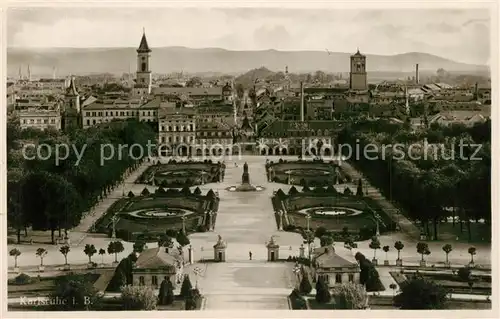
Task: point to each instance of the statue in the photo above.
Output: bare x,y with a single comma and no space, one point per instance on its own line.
219,238
245,178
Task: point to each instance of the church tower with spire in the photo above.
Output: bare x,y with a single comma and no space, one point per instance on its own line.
71,112
143,75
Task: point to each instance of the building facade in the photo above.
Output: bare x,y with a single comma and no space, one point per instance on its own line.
333,268
155,264
39,119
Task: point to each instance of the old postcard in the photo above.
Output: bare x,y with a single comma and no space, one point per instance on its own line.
238,158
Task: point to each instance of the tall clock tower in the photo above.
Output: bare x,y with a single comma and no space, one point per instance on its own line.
358,80
143,75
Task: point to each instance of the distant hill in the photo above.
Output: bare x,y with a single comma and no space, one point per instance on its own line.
215,60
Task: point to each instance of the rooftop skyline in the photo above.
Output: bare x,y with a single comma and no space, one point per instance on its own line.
462,35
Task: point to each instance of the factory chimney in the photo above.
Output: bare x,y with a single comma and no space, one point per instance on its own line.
416,74
302,101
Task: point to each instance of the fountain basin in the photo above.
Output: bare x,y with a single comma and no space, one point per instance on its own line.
245,188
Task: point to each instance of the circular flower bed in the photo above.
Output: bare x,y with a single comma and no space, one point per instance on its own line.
156,213
182,173
331,211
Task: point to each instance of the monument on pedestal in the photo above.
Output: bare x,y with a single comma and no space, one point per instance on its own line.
245,183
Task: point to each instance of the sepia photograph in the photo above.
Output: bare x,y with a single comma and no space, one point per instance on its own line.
225,158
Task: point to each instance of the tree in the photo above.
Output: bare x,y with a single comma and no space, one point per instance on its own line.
102,252
138,298
197,191
326,240
472,252
166,295
423,249
115,247
78,291
182,239
15,253
41,252
347,191
305,286
375,244
447,250
386,250
65,250
419,293
359,190
165,241
350,296
399,246
368,275
90,250
345,232
145,192
192,299
322,291
186,286
139,246
320,231
240,90
464,274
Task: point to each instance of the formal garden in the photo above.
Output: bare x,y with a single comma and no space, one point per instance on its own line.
341,215
177,174
149,215
310,173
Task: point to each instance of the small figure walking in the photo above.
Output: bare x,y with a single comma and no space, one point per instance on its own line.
250,255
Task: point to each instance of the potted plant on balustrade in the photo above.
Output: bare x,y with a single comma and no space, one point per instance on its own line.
399,246
447,250
15,253
423,249
90,251
65,250
41,252
375,244
386,250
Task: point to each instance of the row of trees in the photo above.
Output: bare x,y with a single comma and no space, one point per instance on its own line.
430,182
48,193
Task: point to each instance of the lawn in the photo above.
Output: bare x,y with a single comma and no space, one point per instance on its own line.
481,286
307,173
180,174
133,217
360,212
39,287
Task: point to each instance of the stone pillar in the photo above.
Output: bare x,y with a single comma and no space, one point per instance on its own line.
302,253
280,221
191,254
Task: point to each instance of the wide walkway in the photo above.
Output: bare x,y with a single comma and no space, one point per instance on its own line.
245,221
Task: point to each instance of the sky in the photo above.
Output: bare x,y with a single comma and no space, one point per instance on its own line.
459,34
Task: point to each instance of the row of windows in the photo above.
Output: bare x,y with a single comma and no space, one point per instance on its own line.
38,121
338,278
225,134
177,128
121,113
94,122
298,133
175,139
